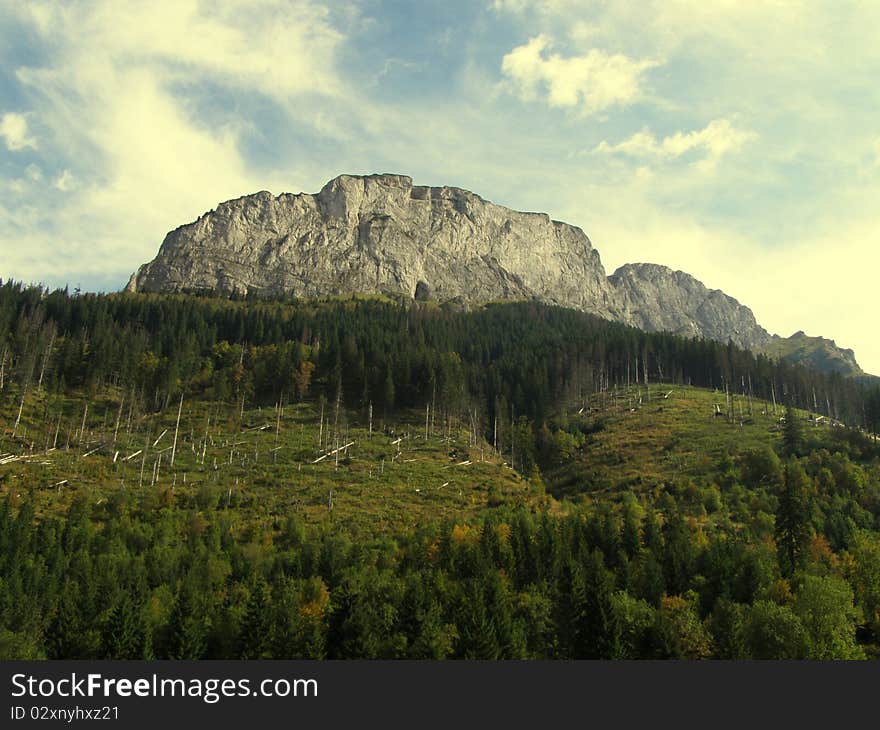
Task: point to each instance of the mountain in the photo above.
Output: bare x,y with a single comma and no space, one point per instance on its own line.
818,353
656,298
382,234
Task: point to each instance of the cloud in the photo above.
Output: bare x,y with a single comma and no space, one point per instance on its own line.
715,140
132,152
594,81
279,48
65,181
14,130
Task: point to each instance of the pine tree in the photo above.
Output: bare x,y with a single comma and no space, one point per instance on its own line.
188,627
793,527
123,632
388,392
792,436
601,632
256,633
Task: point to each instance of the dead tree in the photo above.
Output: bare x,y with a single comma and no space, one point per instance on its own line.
82,428
3,367
47,354
176,430
118,419
21,406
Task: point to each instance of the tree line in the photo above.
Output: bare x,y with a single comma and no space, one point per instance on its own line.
488,365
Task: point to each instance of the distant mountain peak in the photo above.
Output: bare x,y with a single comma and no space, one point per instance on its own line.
819,353
655,297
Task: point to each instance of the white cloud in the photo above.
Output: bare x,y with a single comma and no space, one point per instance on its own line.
278,48
114,96
670,22
594,81
65,181
715,140
14,130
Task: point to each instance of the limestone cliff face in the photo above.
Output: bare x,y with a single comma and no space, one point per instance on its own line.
380,233
656,298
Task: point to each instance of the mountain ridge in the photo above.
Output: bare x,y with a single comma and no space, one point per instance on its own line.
380,233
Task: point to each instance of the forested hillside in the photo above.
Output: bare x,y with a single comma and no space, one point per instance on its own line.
200,478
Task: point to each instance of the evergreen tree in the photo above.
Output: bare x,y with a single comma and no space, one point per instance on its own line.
793,527
256,631
188,627
124,631
792,435
601,632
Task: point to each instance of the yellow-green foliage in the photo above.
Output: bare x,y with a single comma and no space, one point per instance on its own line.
638,439
259,476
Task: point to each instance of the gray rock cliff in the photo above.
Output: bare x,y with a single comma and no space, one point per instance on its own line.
382,234
657,299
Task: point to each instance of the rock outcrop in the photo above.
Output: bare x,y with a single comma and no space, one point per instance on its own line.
817,353
382,234
657,299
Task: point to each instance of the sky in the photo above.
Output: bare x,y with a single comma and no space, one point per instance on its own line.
737,140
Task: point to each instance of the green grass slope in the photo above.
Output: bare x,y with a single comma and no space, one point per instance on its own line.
638,438
262,465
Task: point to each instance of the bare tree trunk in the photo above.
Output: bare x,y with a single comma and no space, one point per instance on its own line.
176,430
21,406
118,419
336,414
46,356
205,443
82,429
278,424
3,367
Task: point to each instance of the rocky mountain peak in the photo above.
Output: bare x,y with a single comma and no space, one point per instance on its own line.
816,352
381,233
654,297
